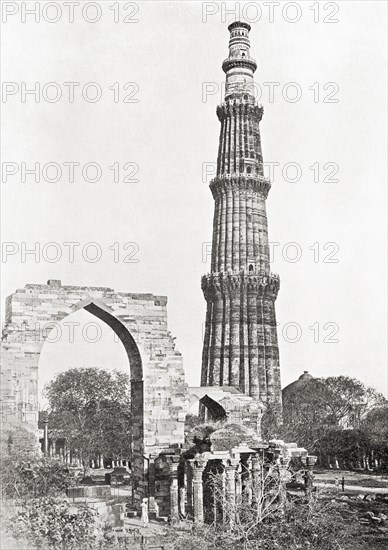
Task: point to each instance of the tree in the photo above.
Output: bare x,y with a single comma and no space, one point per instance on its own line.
375,425
90,408
327,417
347,400
271,423
24,472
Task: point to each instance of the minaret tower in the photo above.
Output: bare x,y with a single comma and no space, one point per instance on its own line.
240,344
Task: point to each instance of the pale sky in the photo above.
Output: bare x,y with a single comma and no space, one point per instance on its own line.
169,56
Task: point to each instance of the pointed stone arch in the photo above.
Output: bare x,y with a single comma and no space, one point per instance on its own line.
107,315
215,411
158,388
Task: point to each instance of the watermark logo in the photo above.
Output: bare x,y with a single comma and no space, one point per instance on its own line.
69,12
70,252
288,172
291,252
271,12
271,92
70,92
293,332
68,172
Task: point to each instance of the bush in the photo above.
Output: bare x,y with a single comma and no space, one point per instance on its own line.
312,525
49,523
33,478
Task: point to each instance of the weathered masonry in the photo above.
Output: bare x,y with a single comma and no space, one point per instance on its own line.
158,390
240,345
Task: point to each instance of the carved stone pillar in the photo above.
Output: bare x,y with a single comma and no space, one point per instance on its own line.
151,482
189,487
257,472
230,487
283,472
238,473
174,493
309,476
182,501
198,465
45,438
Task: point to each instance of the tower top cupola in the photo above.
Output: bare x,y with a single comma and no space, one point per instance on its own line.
239,66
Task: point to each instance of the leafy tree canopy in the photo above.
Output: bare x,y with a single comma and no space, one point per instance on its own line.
90,408
334,415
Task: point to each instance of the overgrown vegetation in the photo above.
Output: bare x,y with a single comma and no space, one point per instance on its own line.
90,408
338,418
24,472
341,422
34,478
49,523
311,524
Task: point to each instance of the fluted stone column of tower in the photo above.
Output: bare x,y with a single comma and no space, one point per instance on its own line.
240,343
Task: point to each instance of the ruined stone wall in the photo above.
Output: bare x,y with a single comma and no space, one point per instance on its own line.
159,391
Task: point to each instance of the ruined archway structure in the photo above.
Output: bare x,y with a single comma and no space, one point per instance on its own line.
224,403
158,390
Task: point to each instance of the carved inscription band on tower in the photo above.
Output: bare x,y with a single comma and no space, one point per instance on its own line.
240,343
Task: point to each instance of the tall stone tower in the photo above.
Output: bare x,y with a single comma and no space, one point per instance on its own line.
240,344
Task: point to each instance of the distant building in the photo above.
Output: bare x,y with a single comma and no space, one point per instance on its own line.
297,384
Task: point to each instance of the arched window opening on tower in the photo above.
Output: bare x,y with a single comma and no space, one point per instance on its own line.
250,267
248,169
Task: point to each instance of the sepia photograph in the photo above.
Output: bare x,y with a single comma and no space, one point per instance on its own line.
194,275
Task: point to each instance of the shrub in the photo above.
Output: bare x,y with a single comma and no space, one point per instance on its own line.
48,522
33,478
312,525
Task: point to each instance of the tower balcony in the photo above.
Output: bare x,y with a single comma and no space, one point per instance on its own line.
238,63
242,103
236,181
231,282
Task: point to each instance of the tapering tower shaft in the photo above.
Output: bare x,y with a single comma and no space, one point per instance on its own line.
240,343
